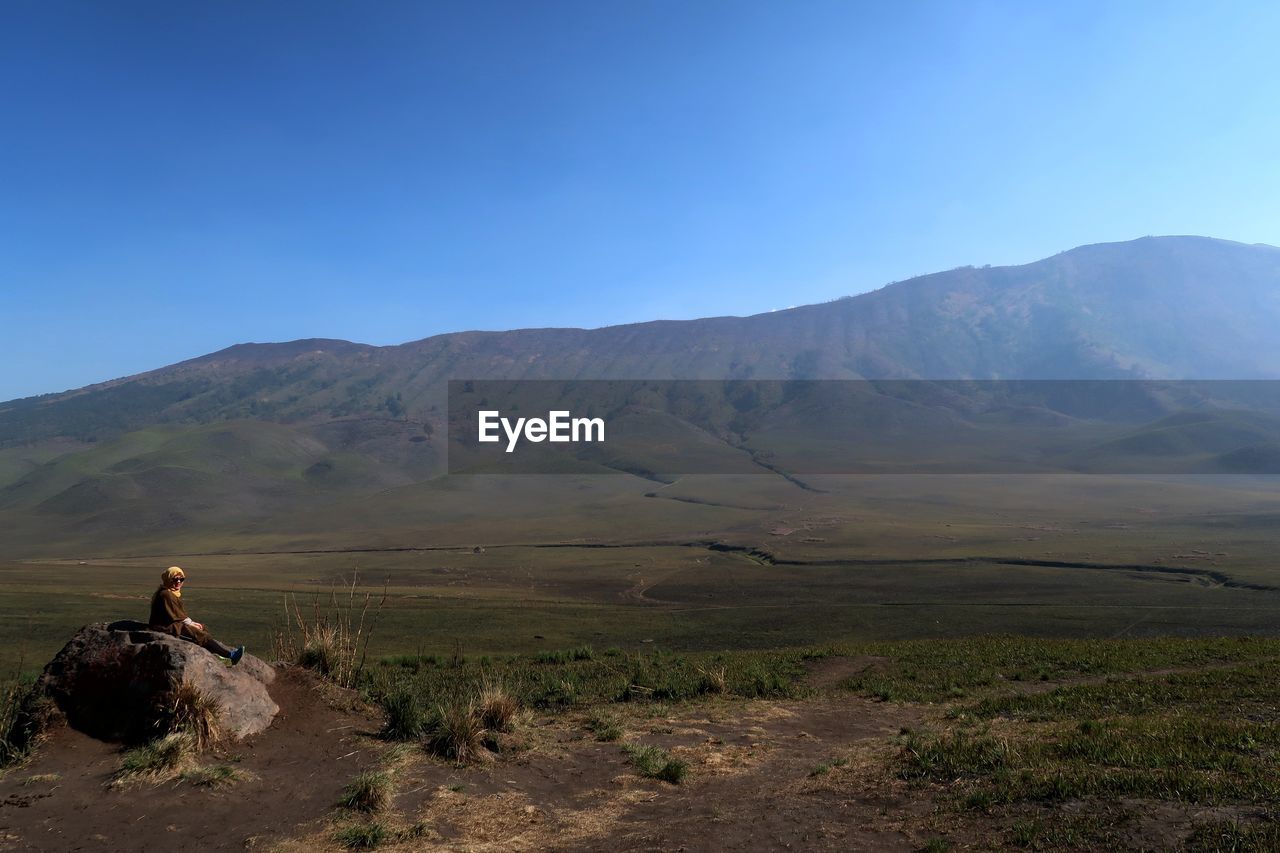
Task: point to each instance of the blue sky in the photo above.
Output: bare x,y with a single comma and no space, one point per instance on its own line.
177,177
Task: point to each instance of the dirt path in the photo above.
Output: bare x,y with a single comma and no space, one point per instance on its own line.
763,775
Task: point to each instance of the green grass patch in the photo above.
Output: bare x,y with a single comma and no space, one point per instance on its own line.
949,757
1208,736
942,670
369,792
161,759
655,763
363,836
1246,690
604,726
1205,737
825,767
502,686
406,719
1235,837
565,655
1175,760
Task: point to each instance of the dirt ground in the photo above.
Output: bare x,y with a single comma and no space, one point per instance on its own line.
751,785
812,774
761,777
295,772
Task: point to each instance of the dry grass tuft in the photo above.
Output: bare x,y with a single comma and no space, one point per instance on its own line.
213,775
196,713
496,707
714,679
334,639
457,732
42,779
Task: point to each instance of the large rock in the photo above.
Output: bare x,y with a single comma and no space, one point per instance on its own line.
117,682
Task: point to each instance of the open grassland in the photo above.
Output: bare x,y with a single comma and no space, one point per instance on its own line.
1004,742
522,564
524,600
1072,757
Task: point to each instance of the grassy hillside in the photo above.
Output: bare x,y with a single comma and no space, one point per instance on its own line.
1158,307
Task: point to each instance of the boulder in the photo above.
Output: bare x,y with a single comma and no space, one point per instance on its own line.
117,682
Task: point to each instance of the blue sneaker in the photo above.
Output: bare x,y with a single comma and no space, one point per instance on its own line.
236,654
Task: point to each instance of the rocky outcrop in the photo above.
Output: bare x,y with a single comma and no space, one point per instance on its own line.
118,682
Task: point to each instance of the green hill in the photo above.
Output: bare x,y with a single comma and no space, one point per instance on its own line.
229,441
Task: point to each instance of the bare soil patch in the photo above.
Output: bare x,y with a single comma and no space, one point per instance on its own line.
294,773
762,775
827,673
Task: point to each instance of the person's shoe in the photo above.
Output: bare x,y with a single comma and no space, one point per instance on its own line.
236,654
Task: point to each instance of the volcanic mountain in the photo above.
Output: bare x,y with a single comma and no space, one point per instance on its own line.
239,434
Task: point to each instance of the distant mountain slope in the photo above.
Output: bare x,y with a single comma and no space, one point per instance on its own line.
268,437
1161,307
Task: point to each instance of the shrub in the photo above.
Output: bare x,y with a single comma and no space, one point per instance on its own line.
323,649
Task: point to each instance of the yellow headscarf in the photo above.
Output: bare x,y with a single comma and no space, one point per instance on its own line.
168,575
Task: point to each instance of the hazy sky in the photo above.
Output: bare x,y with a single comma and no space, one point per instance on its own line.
179,176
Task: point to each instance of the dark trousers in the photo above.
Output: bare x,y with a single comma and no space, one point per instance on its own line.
200,637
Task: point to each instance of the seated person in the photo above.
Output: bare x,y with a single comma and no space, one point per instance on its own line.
169,616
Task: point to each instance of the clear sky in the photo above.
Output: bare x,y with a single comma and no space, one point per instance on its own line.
179,176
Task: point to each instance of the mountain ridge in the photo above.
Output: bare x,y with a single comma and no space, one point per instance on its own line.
258,352
275,438
1155,307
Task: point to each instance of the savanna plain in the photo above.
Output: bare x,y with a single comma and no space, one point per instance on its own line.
718,662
